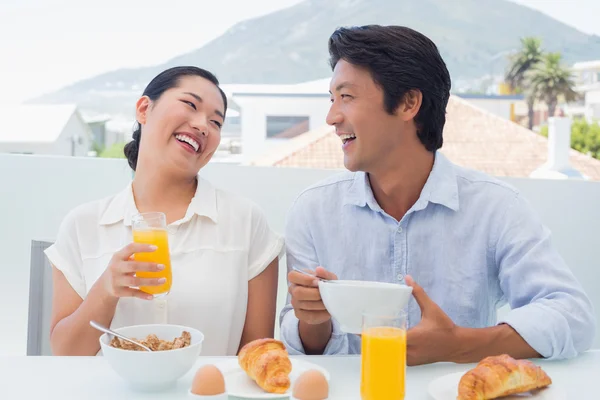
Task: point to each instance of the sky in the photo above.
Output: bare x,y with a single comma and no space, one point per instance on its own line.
582,14
48,44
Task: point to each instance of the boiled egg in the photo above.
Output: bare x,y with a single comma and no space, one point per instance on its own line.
208,381
311,385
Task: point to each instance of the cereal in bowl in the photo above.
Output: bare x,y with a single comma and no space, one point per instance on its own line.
154,343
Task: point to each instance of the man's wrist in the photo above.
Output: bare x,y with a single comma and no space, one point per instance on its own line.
471,345
315,337
460,346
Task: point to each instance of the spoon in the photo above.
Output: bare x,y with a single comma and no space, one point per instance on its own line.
101,328
311,275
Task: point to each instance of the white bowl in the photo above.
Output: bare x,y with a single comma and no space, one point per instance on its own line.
346,301
157,370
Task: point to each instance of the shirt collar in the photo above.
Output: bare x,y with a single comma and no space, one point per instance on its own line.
442,185
122,207
361,194
441,188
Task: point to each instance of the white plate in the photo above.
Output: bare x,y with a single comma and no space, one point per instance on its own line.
239,384
446,388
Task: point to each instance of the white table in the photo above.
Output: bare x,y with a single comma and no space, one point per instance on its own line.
62,378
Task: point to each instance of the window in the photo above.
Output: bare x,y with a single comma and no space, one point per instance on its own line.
98,132
285,127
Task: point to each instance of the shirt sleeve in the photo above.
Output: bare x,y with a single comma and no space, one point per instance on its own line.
265,245
300,252
65,254
549,308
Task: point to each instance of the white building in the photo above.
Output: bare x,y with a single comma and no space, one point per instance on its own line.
587,80
504,106
44,129
270,114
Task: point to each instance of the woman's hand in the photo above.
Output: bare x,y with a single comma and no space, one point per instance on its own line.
119,279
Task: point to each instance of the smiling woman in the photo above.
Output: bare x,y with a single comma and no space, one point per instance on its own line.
221,256
174,97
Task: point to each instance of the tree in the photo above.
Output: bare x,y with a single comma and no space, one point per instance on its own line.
550,79
97,147
114,151
585,137
520,64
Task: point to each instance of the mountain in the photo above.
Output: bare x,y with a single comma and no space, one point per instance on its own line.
290,45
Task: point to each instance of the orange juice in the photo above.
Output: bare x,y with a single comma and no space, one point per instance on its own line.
159,238
383,363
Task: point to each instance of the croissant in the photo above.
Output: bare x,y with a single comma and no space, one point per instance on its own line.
266,361
499,376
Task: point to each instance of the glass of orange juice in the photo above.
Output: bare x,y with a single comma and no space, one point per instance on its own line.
151,228
383,358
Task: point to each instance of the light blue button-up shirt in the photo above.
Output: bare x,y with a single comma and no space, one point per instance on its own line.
471,241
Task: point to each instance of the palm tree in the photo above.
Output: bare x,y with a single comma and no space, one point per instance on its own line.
550,80
520,64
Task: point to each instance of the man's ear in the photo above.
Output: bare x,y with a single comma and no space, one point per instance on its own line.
410,105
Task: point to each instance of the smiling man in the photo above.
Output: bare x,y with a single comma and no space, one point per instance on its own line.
467,243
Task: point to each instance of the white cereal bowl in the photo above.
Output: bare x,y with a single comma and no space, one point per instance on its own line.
157,370
346,301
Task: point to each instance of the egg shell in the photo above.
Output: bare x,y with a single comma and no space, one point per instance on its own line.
311,385
208,381
223,396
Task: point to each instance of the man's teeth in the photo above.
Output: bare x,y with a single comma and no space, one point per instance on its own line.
347,137
189,140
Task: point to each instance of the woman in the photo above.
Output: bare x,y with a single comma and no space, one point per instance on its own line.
224,257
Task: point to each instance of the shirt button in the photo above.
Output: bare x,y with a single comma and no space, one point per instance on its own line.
400,277
400,229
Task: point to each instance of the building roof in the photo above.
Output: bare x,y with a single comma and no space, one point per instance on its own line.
580,66
34,123
473,138
481,96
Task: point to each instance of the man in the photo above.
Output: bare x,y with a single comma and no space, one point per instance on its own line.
467,243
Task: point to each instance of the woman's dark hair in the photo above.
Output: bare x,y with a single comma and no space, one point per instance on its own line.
164,81
399,60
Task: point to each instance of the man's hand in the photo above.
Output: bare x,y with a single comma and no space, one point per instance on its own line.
306,298
314,326
434,339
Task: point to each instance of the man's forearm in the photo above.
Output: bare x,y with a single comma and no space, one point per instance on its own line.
315,337
472,344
